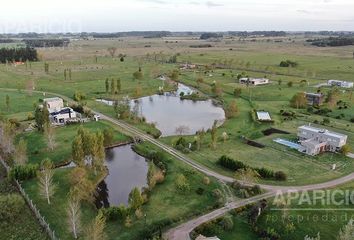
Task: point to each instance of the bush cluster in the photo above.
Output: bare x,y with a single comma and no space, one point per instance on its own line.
264,173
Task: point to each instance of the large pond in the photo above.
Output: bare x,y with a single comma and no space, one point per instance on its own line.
127,170
169,112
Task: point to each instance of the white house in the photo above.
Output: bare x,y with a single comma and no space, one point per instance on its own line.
316,140
339,83
254,81
63,115
53,104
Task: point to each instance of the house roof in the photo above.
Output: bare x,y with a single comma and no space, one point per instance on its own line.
322,131
262,115
54,99
62,111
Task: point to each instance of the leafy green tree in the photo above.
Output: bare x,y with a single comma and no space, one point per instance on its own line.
345,149
232,109
135,199
78,154
237,92
138,75
213,133
99,152
108,136
299,100
41,117
113,86
107,85
7,102
119,86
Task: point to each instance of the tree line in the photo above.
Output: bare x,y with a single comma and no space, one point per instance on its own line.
41,43
18,54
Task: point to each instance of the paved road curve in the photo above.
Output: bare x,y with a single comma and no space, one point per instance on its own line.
182,232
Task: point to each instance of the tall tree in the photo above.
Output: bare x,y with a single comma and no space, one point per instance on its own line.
20,157
74,216
107,85
95,231
232,109
99,152
135,199
7,102
49,134
78,154
119,86
113,86
213,133
7,135
41,116
112,51
46,185
299,100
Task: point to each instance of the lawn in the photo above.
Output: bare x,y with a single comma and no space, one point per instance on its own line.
21,104
37,148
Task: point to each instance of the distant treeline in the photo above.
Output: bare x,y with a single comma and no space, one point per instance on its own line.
40,43
18,54
205,36
6,40
146,34
331,33
332,41
258,33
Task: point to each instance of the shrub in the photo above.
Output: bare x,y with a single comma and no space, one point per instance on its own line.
24,172
11,205
115,213
265,173
281,176
288,63
227,223
182,183
206,181
230,163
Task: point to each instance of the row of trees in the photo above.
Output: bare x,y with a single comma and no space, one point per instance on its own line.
18,54
88,149
113,86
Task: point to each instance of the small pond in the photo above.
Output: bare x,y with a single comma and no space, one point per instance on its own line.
169,112
127,170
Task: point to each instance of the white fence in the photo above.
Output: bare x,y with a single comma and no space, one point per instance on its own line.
40,218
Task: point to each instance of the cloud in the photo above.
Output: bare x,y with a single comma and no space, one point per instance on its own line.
154,1
304,11
213,4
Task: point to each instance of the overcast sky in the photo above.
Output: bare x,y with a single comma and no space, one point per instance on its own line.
174,15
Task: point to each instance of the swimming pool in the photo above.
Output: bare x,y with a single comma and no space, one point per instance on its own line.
287,143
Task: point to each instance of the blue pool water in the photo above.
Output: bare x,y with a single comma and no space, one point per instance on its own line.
287,143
